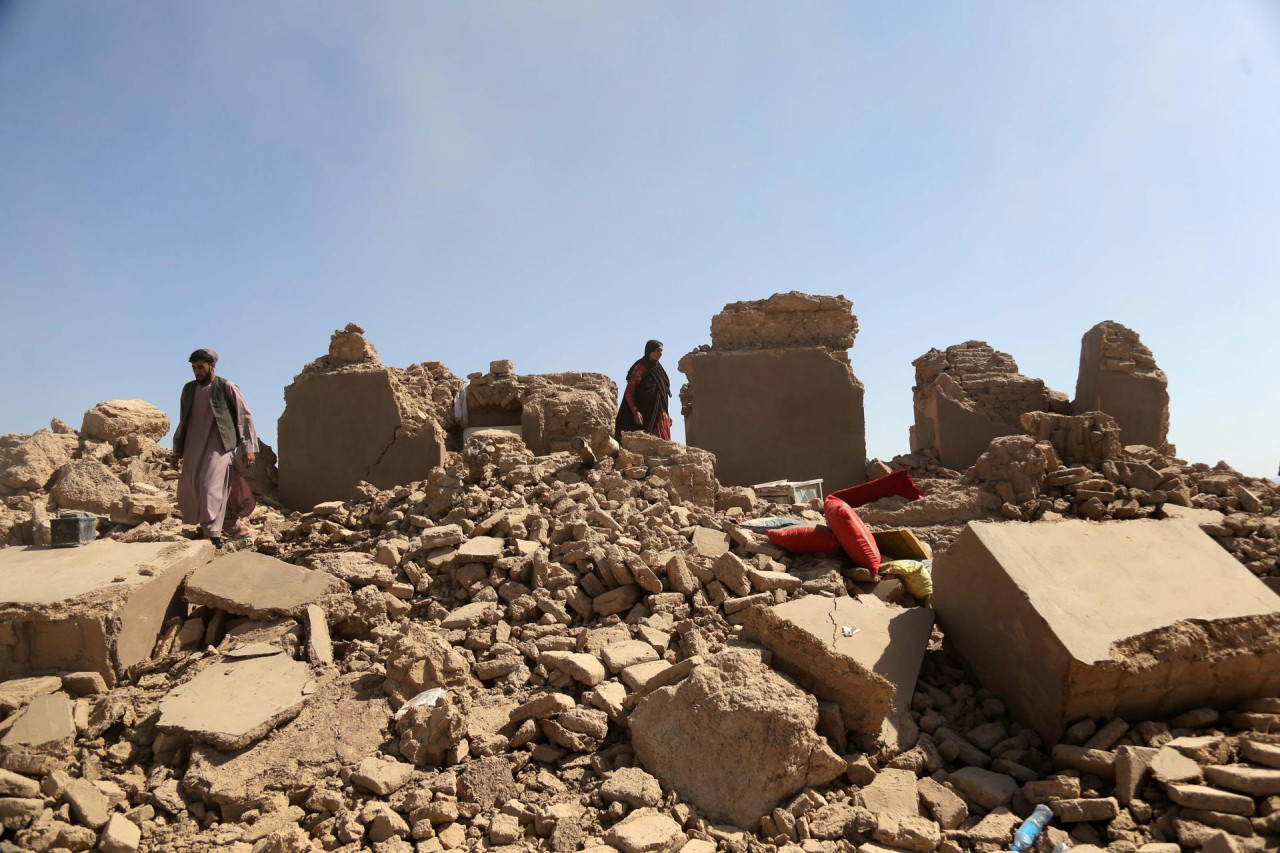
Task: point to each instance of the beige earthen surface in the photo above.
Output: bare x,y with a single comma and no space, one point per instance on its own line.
1139,619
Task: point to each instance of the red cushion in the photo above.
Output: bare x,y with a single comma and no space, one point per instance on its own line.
898,484
852,534
805,540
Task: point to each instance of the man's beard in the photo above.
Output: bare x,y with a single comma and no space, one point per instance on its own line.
208,377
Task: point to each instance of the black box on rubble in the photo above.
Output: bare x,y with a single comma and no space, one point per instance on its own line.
72,528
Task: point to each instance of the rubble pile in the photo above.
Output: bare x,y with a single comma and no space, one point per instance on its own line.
113,468
582,646
552,409
774,396
969,394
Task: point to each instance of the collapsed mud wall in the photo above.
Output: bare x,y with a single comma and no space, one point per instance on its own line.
551,409
1118,375
968,394
774,396
348,418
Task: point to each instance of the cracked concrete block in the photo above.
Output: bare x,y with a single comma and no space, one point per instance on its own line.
1136,619
860,653
250,584
97,608
231,704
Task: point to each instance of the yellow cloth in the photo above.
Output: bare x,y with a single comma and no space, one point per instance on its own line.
916,574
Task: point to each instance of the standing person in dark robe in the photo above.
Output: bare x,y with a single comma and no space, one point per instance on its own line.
644,402
214,420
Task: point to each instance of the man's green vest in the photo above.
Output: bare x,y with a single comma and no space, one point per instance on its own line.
223,415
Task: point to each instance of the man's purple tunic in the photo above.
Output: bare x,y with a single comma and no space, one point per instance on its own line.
210,488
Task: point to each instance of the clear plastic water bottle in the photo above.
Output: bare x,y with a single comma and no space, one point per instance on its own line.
1031,828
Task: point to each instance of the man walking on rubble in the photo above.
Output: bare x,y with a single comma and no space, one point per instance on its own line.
213,421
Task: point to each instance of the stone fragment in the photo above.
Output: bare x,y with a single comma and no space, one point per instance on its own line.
1209,799
710,543
947,809
88,804
1254,781
114,420
231,704
1094,595
731,571
1169,765
1252,750
646,831
893,792
632,786
486,782
17,693
543,706
754,731
1132,766
908,833
31,461
46,724
319,643
380,776
87,484
250,584
984,787
17,785
121,835
1075,811
583,668
481,549
619,656
859,653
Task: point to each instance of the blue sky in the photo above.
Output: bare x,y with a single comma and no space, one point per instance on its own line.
555,183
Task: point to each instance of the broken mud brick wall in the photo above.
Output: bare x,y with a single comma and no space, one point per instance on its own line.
774,396
551,409
1119,376
969,394
1070,619
348,418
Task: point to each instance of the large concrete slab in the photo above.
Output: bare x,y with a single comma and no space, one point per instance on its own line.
1136,619
860,653
235,702
99,607
260,587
